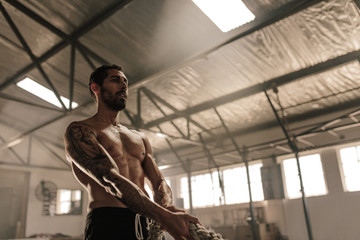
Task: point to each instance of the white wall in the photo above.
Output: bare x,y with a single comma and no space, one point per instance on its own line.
36,223
333,216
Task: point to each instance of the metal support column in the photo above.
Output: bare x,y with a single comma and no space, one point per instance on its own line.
72,75
186,168
244,155
190,190
29,150
211,159
138,118
293,146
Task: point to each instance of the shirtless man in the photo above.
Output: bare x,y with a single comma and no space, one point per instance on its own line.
111,162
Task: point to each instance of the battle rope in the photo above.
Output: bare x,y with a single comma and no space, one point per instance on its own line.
154,231
197,231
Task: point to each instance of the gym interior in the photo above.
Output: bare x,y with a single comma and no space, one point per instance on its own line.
254,126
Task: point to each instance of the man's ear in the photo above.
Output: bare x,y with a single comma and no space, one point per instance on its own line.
95,88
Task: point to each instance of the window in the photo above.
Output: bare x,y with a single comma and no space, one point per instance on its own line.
236,184
184,191
206,190
312,176
350,165
68,202
150,192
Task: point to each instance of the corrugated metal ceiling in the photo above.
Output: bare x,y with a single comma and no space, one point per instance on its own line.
185,70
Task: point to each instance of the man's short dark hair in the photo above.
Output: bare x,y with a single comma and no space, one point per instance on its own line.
99,74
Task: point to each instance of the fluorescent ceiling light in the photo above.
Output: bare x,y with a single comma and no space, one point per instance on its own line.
164,167
226,14
44,93
162,135
14,142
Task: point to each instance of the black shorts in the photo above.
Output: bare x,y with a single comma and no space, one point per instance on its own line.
113,223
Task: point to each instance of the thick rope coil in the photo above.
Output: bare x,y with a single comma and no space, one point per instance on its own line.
154,231
197,231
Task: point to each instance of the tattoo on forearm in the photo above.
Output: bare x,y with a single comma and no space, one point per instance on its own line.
132,196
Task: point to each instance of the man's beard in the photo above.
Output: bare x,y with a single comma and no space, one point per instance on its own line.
112,101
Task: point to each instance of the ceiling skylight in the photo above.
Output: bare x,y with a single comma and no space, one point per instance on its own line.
44,93
226,14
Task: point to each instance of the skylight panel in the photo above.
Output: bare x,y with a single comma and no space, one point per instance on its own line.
226,14
44,93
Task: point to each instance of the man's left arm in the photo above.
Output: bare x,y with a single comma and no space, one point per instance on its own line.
161,190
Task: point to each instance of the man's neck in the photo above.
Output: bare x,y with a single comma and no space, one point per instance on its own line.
107,116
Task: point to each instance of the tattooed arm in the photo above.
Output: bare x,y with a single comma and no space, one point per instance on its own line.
84,150
161,190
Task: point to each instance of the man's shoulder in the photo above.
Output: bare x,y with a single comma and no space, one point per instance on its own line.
84,125
81,123
85,122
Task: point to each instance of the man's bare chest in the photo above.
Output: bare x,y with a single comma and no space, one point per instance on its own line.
122,143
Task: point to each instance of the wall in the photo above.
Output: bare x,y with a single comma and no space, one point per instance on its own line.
334,216
13,203
36,223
